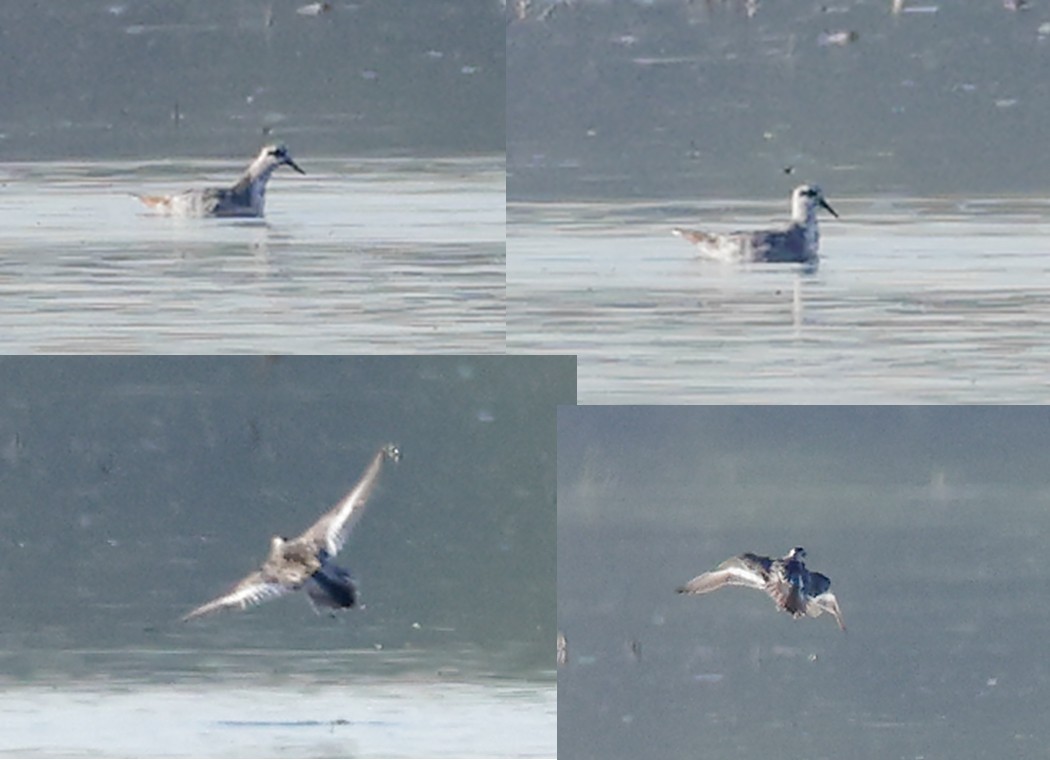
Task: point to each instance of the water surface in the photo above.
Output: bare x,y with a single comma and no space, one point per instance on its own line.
405,717
105,79
650,98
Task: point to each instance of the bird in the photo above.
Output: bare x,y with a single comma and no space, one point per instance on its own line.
791,585
307,562
247,198
798,242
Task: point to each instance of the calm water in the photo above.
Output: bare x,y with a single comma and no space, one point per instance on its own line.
931,523
134,489
932,300
379,256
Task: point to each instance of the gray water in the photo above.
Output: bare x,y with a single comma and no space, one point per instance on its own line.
102,79
931,523
928,300
359,256
669,98
133,490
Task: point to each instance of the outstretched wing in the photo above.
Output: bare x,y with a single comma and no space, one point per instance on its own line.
254,589
749,570
826,602
822,599
332,530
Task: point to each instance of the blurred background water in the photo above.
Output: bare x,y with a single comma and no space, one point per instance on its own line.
628,118
931,522
675,99
135,489
112,79
393,242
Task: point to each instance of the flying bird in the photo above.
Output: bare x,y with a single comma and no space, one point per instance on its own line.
307,562
787,580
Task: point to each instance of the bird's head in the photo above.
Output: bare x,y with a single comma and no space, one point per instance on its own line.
277,155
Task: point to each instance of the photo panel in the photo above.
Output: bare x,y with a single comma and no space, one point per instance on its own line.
378,534
705,555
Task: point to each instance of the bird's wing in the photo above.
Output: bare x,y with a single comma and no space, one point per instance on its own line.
756,563
826,602
212,200
253,589
818,584
778,245
748,570
332,530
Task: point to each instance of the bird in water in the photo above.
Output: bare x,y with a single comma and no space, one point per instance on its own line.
307,562
246,198
798,242
791,585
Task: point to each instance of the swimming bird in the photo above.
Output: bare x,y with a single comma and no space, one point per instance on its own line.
793,587
246,198
798,242
306,562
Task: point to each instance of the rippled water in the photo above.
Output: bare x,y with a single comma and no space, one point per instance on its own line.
916,300
356,257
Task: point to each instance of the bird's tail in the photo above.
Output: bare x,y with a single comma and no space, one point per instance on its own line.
693,236
152,200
